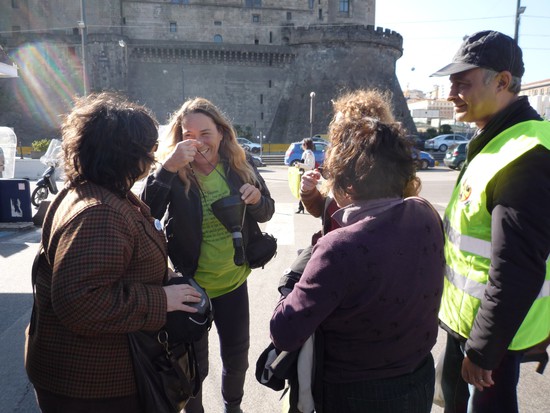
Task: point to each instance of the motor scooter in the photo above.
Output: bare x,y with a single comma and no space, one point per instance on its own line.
46,183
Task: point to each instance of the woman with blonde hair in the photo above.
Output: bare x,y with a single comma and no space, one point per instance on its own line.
201,162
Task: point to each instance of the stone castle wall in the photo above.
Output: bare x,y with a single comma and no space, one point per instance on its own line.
261,75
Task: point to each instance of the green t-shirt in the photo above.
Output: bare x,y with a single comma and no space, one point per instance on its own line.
216,272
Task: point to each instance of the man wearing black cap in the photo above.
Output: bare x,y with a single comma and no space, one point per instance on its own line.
496,300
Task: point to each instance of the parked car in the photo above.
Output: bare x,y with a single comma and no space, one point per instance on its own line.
443,142
257,161
293,154
249,145
417,141
423,160
456,156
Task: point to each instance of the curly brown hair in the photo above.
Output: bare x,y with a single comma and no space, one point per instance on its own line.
364,103
369,156
108,140
369,159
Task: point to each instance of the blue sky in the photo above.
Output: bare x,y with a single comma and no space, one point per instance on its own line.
432,32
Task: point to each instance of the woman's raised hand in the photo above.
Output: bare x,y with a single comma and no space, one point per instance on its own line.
309,180
183,154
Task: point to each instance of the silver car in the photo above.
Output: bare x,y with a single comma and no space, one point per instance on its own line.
443,142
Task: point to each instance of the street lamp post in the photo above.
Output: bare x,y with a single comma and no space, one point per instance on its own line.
311,96
124,46
82,27
519,11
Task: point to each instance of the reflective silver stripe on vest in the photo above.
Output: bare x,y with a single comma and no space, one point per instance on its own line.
467,243
470,287
476,289
545,290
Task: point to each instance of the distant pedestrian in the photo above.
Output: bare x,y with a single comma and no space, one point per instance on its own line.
307,164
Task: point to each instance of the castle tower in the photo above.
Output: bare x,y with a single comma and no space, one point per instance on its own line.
258,60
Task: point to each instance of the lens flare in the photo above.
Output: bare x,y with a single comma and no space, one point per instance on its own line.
50,77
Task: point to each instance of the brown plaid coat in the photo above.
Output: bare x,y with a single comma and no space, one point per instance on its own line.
98,278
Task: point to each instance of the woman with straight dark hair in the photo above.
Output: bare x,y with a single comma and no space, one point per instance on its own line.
101,265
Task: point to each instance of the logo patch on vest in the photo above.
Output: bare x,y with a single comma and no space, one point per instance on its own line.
465,192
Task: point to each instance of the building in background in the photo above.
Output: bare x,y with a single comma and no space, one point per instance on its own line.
259,60
8,69
539,96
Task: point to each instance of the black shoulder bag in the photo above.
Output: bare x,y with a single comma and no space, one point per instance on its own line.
165,365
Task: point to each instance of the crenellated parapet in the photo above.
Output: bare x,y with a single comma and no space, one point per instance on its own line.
201,53
326,34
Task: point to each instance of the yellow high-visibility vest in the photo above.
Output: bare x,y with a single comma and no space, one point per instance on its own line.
468,238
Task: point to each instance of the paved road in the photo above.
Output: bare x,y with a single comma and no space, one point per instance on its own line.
17,249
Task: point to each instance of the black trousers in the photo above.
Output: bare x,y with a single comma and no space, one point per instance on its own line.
461,397
410,393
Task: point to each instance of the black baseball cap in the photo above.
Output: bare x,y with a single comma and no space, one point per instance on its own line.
487,49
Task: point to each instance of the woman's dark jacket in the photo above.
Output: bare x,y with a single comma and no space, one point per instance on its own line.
165,195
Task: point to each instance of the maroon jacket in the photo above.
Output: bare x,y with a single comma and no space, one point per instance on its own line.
373,288
99,278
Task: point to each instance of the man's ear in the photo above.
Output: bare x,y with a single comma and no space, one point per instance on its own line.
503,80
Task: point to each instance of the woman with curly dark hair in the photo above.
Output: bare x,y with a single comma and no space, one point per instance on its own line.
371,293
101,265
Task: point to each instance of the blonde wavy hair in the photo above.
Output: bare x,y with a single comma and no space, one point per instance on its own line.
230,151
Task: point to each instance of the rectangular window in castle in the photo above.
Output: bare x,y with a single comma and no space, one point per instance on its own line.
344,6
289,15
173,27
14,4
257,4
217,23
320,14
270,83
261,99
262,116
311,3
15,29
270,37
255,18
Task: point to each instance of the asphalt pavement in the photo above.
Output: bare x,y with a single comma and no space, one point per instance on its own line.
18,247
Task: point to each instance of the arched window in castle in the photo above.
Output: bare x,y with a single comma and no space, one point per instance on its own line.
218,38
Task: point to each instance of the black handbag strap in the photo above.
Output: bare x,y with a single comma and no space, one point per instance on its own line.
188,387
34,272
